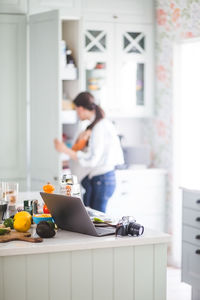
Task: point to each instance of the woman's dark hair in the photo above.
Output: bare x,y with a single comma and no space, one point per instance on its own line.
87,101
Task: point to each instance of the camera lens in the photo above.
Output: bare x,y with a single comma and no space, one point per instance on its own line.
135,229
141,230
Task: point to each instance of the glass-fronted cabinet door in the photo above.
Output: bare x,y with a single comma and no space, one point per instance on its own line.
98,62
134,70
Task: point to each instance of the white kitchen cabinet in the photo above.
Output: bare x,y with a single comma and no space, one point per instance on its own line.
74,266
111,44
98,48
67,8
12,96
141,194
118,67
13,6
118,34
46,84
134,70
119,10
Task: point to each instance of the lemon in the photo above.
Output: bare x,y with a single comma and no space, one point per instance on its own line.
22,214
22,223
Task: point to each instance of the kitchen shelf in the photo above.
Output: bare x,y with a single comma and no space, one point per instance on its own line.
69,73
68,117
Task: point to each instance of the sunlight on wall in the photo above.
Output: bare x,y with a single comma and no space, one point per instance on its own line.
190,114
186,127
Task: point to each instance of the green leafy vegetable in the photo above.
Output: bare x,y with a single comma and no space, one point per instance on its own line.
4,231
8,223
98,220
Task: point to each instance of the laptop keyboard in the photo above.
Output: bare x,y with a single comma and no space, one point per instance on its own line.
104,231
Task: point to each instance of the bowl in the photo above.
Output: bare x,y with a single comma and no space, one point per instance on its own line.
42,217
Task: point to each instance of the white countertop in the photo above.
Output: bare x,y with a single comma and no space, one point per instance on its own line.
193,189
138,170
70,241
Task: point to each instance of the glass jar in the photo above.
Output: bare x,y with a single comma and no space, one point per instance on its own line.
11,190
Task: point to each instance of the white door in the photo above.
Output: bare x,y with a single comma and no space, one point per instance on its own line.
45,90
12,97
186,124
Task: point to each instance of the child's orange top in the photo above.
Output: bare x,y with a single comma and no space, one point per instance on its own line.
80,145
82,140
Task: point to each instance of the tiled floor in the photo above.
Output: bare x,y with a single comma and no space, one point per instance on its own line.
177,290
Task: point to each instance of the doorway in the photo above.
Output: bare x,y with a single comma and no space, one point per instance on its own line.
186,128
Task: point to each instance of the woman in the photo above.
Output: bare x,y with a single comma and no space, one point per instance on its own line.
102,155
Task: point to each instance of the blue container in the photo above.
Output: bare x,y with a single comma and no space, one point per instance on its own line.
38,219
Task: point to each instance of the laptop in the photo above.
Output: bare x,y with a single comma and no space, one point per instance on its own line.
70,214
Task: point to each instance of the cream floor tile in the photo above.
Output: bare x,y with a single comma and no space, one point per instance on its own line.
177,290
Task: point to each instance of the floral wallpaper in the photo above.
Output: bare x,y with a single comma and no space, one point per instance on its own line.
175,20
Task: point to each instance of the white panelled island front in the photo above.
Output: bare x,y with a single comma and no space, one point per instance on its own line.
74,266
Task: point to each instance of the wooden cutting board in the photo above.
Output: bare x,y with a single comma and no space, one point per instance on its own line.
19,236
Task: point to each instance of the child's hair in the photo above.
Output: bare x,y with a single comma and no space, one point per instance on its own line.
87,101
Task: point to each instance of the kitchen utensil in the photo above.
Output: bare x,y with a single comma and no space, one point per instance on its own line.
19,236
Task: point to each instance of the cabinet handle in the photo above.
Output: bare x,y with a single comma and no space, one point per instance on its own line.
198,201
124,181
123,194
197,237
115,17
55,178
197,251
198,219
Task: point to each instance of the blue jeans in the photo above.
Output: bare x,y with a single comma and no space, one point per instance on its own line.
86,183
98,190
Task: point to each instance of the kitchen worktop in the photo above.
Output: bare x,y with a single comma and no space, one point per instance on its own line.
75,266
193,189
70,241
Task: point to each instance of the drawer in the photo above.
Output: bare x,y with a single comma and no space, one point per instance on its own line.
191,217
191,264
143,201
140,178
191,199
191,235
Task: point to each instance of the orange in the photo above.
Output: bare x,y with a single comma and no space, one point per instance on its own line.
48,188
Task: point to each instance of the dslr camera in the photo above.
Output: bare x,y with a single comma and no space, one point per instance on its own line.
128,226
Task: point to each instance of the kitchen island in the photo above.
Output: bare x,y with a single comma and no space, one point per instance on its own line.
74,266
